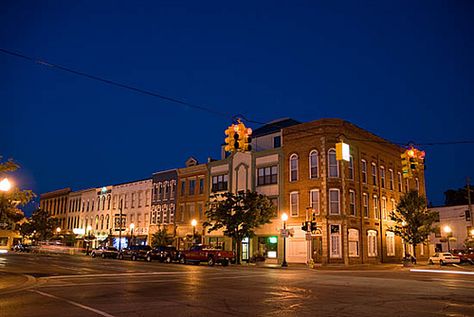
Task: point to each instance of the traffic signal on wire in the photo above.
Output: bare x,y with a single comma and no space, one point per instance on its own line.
238,138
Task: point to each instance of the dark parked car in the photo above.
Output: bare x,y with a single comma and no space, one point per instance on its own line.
134,252
105,252
22,247
163,254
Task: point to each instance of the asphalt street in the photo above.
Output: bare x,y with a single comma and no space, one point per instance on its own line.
61,285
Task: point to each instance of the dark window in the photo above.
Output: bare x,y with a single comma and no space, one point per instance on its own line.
219,182
267,175
183,188
467,214
277,142
192,186
201,185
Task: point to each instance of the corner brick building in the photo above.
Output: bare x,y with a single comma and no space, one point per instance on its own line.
351,200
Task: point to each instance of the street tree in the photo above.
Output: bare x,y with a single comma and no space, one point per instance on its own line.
455,197
413,221
43,225
11,200
238,215
161,238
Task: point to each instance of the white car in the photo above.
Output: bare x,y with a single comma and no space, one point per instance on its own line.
444,258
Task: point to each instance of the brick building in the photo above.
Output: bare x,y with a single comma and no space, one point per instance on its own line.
351,200
56,204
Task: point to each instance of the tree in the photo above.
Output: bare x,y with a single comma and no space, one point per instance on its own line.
161,238
43,224
238,215
413,221
12,199
456,197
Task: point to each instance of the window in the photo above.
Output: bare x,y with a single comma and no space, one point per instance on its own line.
267,175
172,189
335,241
333,164
390,240
313,164
114,202
417,184
334,208
191,211
200,211
160,190
391,179
365,202
374,174
351,168
192,186
352,203
382,176
219,182
364,171
294,204
165,190
314,200
384,208
393,206
407,185
372,243
293,168
147,197
201,186
133,200
140,194
399,182
277,142
181,212
183,187
376,207
353,242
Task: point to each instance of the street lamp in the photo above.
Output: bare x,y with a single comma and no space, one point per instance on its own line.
5,185
89,228
284,218
132,226
447,230
58,230
194,224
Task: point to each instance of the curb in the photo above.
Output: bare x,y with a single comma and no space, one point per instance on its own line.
27,282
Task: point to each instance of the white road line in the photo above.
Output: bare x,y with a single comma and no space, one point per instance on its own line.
442,271
115,274
99,312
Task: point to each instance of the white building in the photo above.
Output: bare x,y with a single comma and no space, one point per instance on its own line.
457,220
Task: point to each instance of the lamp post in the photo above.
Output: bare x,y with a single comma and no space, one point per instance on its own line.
284,218
447,230
89,228
132,226
5,186
194,224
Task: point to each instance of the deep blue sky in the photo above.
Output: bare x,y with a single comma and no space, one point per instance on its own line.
401,69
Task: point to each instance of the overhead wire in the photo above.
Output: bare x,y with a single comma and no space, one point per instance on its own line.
201,107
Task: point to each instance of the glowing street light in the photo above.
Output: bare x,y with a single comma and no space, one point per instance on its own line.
284,219
194,224
5,185
58,230
447,230
132,226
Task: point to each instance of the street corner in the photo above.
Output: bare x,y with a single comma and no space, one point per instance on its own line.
14,282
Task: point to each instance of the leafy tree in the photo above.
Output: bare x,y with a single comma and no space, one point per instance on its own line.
14,198
238,215
413,221
43,224
456,197
161,238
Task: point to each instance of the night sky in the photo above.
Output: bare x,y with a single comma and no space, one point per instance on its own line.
403,70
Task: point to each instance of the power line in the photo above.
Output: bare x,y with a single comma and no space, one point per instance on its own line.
204,108
114,83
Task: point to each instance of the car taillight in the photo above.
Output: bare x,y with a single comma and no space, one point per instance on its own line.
218,254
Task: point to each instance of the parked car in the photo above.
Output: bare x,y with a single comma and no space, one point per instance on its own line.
22,247
201,253
105,252
163,254
466,256
444,258
134,252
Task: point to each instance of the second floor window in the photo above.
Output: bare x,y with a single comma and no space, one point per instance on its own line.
313,164
334,208
201,185
333,168
374,174
267,175
192,186
352,203
293,168
314,200
391,178
382,176
363,170
294,204
376,208
183,187
400,182
351,168
219,182
365,204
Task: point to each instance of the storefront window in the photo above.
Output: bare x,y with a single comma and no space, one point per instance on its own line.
217,243
268,247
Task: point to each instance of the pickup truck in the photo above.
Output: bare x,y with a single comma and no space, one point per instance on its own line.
201,253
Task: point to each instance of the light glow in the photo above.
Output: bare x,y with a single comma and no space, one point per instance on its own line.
132,226
273,240
194,223
271,254
3,251
5,185
447,229
284,217
78,231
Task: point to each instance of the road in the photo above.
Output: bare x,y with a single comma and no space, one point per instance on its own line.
82,286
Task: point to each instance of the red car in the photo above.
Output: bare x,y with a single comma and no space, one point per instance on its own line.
201,253
466,256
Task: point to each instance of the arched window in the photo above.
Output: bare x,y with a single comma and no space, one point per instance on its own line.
313,164
102,222
103,202
107,222
372,243
333,164
98,203
293,168
108,202
353,242
96,222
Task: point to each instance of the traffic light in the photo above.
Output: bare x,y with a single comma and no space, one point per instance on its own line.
406,171
304,226
229,140
314,226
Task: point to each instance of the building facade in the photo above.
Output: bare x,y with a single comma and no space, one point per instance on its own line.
163,202
350,201
56,204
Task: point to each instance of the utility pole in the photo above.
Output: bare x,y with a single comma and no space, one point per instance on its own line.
469,207
120,225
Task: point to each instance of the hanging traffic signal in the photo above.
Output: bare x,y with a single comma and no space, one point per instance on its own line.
406,170
229,140
305,226
238,138
412,161
314,226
